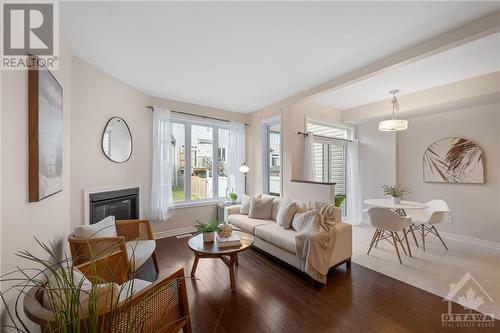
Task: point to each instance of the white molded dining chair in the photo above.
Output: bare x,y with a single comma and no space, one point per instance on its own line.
387,224
423,220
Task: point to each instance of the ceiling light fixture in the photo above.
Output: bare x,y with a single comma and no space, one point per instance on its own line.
393,124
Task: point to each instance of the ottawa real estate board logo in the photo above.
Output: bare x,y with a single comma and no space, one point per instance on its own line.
30,32
471,296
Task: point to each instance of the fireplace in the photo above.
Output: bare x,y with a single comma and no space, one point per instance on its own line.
123,204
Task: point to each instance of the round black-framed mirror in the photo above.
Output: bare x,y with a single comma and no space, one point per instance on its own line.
116,140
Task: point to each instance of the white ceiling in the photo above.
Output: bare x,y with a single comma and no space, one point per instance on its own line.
477,58
244,56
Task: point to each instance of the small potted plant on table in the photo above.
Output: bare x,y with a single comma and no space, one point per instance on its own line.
208,230
396,192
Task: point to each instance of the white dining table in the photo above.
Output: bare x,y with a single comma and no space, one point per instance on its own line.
387,203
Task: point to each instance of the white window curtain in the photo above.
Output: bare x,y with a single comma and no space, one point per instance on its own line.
353,201
236,157
308,167
162,168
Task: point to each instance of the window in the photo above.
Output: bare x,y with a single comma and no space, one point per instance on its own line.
272,158
202,160
330,154
223,148
200,152
179,153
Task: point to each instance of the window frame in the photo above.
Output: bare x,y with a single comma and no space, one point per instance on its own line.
332,141
266,124
188,122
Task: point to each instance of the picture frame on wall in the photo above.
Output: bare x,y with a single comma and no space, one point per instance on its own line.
454,160
45,123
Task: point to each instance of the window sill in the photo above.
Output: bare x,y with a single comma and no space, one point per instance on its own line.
199,203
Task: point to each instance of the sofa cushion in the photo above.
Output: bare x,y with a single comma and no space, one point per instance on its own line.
274,234
246,223
277,204
261,208
132,287
138,252
104,228
309,219
68,277
302,206
245,205
285,215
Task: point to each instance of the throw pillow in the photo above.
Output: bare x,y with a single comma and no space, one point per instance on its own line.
103,228
245,204
70,278
261,208
277,204
286,214
309,219
302,206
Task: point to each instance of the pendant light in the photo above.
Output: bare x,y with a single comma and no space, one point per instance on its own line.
393,124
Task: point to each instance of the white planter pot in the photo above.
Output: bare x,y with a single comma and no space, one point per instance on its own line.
396,200
208,237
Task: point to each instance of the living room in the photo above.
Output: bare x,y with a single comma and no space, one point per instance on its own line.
351,149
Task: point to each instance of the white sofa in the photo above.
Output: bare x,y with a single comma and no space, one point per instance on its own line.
271,238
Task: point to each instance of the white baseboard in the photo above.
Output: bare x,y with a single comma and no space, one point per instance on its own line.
173,232
471,240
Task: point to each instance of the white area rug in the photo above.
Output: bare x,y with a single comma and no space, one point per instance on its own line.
435,269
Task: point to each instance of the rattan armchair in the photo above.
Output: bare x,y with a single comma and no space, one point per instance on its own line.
161,307
128,233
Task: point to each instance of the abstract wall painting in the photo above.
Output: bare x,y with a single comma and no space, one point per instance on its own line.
454,160
45,122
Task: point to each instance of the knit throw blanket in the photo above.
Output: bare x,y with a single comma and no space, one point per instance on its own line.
315,243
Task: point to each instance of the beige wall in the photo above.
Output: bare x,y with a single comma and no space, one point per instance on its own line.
96,98
474,207
48,220
377,158
293,119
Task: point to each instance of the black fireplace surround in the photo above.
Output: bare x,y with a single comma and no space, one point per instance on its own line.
122,204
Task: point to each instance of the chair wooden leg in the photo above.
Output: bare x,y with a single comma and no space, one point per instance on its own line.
406,232
439,236
396,246
413,234
423,238
400,242
380,234
375,236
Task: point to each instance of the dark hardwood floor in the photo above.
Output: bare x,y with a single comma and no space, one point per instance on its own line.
273,298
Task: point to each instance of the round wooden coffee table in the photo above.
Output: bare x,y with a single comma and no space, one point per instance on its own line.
229,255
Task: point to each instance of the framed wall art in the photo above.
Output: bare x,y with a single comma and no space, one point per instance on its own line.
454,160
45,122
